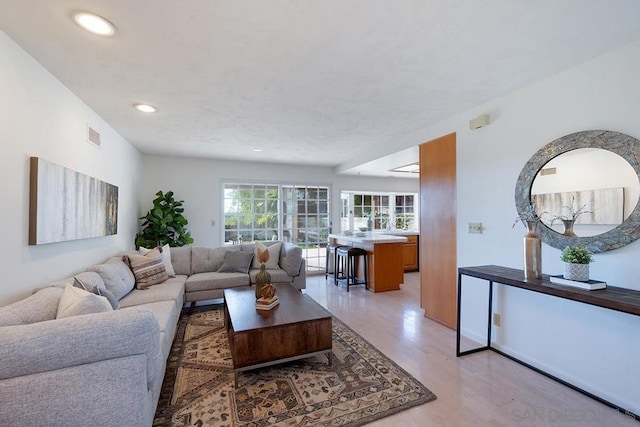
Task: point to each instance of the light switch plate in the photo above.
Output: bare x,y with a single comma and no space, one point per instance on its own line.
475,228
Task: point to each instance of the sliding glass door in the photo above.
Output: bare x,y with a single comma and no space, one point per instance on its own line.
293,213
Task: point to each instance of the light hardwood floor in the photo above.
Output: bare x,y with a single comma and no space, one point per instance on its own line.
481,389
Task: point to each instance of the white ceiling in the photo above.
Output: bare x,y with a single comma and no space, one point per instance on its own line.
332,82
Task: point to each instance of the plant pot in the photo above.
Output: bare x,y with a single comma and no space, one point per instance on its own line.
577,272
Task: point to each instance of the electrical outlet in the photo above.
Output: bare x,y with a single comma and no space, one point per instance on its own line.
474,228
497,320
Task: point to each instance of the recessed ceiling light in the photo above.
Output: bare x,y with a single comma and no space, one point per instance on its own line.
257,149
145,108
94,23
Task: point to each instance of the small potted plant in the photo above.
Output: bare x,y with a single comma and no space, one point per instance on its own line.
576,261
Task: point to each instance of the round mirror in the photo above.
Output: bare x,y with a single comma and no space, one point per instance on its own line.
587,192
602,201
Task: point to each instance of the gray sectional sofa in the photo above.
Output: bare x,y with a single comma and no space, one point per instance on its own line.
107,368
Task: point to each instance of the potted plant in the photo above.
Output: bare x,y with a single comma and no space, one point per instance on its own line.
576,261
164,223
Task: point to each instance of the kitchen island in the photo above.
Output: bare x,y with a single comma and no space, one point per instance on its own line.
384,257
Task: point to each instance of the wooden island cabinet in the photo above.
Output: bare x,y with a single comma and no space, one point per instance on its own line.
409,249
410,253
385,258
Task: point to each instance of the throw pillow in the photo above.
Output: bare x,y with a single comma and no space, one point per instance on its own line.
291,260
96,289
116,275
166,258
75,302
148,269
274,255
236,262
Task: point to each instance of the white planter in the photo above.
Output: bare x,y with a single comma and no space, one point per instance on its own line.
578,272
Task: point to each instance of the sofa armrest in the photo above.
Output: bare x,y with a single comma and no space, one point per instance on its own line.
61,343
300,281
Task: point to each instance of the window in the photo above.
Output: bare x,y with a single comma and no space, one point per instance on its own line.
377,211
250,212
405,211
293,213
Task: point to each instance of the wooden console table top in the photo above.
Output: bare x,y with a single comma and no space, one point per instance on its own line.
613,298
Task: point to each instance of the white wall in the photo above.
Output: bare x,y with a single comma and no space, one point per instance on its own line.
591,347
40,117
197,182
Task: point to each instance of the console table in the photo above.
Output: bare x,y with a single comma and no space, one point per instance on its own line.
612,298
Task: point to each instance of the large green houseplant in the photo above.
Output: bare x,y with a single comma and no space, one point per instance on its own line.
164,223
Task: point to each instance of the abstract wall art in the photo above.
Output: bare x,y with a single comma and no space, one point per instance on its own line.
603,206
67,205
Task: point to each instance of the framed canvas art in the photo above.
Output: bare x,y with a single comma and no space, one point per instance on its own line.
67,205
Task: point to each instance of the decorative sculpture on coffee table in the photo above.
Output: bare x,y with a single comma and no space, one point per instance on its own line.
263,277
268,298
268,291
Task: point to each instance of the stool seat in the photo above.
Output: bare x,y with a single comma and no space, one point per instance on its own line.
346,267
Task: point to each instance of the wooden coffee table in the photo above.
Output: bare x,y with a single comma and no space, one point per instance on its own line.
297,328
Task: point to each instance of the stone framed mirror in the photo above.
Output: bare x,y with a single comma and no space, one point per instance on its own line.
596,237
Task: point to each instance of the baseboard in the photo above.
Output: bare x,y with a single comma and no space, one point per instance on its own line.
627,405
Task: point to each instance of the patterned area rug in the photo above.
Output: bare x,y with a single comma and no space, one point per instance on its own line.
361,385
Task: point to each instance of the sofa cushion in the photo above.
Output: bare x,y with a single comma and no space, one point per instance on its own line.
39,307
181,260
291,259
148,269
214,280
116,275
75,302
204,260
236,262
166,258
278,275
274,255
170,290
92,282
167,316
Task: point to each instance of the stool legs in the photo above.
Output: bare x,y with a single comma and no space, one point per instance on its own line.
346,268
331,267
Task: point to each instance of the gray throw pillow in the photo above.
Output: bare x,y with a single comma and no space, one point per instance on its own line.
116,275
291,259
236,262
94,288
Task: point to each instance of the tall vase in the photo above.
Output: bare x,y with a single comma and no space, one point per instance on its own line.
262,278
532,252
568,227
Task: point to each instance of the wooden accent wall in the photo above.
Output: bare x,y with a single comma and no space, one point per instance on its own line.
438,258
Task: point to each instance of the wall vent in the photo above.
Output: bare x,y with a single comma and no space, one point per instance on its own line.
548,171
93,137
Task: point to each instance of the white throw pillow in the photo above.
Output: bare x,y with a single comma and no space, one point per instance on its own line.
75,301
274,255
166,259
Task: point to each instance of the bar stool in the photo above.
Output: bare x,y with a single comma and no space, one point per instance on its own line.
330,266
346,266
